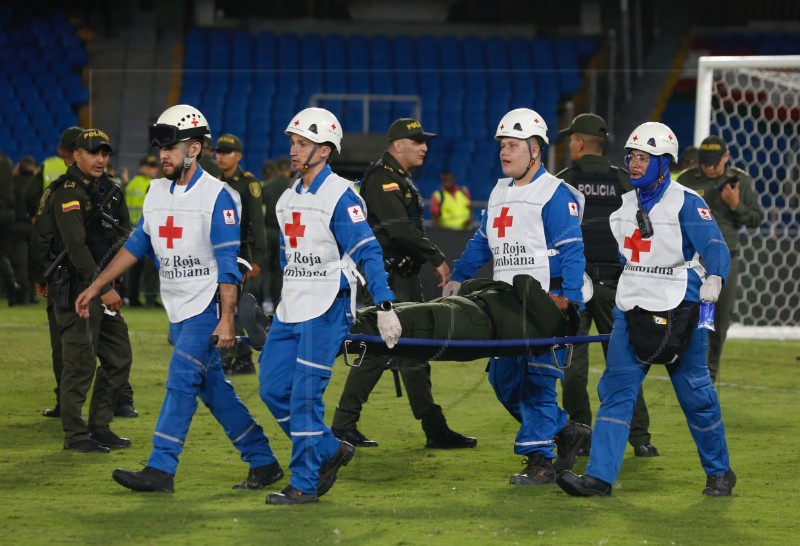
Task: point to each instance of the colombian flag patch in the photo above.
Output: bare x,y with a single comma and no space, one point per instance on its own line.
394,186
72,205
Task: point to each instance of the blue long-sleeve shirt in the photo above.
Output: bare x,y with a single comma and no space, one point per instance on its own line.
355,239
225,238
562,231
700,234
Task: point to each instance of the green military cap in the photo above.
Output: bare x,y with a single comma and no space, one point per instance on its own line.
408,128
711,150
229,143
68,137
92,140
587,124
283,162
149,160
690,154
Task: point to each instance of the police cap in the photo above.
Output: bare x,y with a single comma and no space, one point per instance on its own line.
68,137
408,128
229,143
92,140
587,124
711,150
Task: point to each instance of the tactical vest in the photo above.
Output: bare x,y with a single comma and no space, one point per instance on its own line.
454,210
603,193
52,168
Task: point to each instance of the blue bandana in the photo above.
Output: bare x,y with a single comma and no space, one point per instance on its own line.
647,184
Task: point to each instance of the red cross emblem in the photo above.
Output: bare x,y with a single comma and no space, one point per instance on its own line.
636,244
502,127
294,230
296,122
333,126
194,122
502,222
670,137
635,138
170,231
536,120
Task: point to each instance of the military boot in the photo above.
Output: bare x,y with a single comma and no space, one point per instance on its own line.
720,486
329,471
583,486
569,441
538,471
149,479
261,476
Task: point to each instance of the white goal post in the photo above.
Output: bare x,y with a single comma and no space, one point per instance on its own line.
753,103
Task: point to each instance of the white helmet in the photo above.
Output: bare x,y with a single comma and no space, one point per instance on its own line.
317,125
522,123
178,123
655,139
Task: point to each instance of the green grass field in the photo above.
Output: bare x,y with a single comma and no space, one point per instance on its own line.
399,493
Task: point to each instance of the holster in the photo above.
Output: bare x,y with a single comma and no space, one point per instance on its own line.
64,291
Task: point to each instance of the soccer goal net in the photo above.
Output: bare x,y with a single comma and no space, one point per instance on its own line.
753,103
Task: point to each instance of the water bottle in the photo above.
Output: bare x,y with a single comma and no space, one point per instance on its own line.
706,315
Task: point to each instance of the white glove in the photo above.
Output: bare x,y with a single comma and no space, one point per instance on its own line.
709,290
389,327
452,288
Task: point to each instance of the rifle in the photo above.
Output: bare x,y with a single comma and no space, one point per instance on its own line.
99,211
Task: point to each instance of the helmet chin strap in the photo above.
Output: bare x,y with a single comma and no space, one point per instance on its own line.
306,165
187,160
532,161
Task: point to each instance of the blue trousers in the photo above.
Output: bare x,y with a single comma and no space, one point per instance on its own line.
527,389
294,370
619,386
196,370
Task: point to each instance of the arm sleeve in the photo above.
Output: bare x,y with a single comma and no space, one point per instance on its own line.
69,219
562,229
259,245
139,243
225,240
474,256
749,212
388,209
33,192
357,240
704,236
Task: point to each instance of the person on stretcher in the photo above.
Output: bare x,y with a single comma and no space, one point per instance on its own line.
484,309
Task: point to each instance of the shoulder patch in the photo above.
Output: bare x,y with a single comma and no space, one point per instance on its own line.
70,206
248,174
229,216
392,186
705,214
356,214
573,208
69,184
255,189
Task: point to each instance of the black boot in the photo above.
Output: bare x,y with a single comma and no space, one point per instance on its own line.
291,495
720,486
448,439
354,437
646,450
126,410
149,479
538,471
53,412
569,441
261,476
86,446
583,486
243,366
328,472
110,440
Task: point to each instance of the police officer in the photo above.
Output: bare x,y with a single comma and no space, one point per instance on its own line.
603,185
254,243
135,191
394,211
207,162
21,231
89,215
36,197
273,189
730,194
7,215
451,205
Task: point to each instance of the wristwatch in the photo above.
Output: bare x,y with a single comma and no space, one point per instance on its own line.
385,306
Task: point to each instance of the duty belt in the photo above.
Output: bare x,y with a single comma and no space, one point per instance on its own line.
485,308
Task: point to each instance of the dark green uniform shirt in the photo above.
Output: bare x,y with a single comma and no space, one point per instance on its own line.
273,189
254,239
596,164
748,213
209,166
394,211
88,247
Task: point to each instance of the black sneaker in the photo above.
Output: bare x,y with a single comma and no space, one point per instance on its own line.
354,437
261,476
110,440
569,442
243,366
54,412
328,472
720,486
538,471
450,439
291,495
583,486
149,479
86,446
127,411
646,450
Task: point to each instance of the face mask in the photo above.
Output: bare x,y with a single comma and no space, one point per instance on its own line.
651,175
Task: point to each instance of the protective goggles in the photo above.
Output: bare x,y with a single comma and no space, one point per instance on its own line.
163,135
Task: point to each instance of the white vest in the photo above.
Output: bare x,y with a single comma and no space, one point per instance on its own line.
311,278
655,275
515,229
179,226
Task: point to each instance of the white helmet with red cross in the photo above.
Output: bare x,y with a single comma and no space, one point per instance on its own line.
655,139
317,125
522,123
